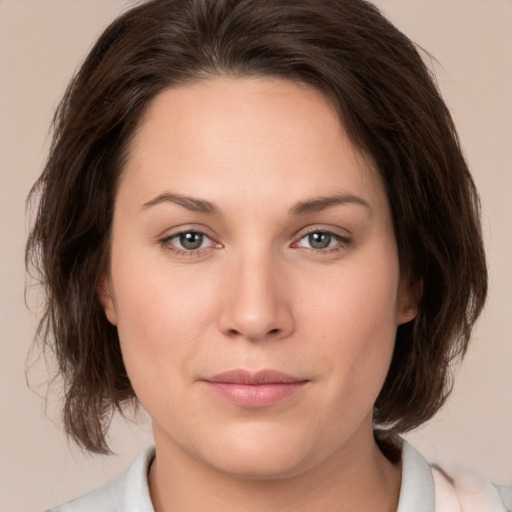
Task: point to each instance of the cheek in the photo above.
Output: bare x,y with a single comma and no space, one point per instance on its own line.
353,318
354,300
162,318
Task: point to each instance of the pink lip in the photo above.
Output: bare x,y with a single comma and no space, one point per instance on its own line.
260,389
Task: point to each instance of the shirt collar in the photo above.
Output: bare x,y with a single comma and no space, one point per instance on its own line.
417,492
135,493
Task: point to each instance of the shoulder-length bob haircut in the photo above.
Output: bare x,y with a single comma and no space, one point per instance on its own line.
389,105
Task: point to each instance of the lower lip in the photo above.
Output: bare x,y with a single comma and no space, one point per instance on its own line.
262,395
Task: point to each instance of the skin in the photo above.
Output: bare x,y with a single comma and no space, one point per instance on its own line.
256,295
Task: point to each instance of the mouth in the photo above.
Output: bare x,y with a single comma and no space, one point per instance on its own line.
254,389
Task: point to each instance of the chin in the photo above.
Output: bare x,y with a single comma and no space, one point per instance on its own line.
263,454
262,466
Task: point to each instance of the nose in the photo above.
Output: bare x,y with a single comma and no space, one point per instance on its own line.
255,305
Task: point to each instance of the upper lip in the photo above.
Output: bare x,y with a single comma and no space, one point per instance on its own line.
241,376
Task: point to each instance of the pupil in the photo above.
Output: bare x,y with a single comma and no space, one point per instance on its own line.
191,240
319,240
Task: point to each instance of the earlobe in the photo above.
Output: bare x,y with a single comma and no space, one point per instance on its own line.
409,300
106,298
406,315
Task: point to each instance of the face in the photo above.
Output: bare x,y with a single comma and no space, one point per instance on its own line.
254,277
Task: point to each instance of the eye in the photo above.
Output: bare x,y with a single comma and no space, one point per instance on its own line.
321,240
188,241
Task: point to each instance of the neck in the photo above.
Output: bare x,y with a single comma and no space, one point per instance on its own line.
359,477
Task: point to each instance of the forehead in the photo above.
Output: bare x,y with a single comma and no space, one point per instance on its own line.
264,134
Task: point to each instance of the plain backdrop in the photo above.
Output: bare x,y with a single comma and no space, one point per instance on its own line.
41,44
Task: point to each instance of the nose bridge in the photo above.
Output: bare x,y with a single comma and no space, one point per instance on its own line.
256,306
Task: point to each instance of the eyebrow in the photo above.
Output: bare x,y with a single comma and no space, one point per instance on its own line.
321,203
190,203
302,208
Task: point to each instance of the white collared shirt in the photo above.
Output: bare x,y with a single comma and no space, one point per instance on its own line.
422,490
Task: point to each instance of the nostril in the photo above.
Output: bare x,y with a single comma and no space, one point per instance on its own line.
235,332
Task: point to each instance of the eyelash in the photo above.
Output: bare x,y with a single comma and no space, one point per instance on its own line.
166,242
342,242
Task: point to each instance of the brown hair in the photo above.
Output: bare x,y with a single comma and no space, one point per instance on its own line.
387,102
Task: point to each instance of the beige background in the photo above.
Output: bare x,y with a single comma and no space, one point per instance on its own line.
42,42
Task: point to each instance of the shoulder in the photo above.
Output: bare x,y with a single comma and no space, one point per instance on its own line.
469,491
127,493
429,488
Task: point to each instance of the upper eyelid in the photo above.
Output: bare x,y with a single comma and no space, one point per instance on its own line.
343,239
183,231
165,240
342,233
330,233
337,231
171,232
340,238
175,235
179,251
178,233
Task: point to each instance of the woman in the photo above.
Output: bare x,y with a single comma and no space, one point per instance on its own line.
256,221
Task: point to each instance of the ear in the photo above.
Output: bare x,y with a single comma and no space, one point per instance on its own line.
106,298
409,297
